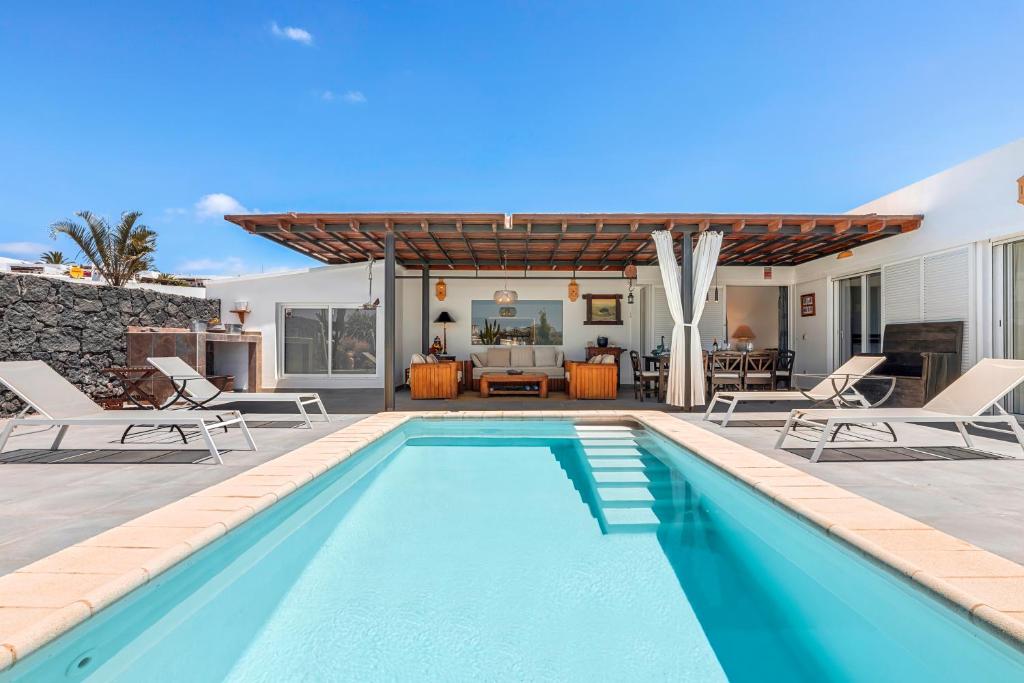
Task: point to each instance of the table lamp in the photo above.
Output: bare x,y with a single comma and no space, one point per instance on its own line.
743,334
444,318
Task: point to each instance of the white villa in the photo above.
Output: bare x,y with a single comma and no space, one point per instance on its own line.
963,263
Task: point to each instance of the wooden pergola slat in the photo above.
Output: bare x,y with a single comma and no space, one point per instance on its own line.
565,241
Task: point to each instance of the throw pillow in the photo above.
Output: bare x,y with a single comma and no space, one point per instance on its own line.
478,362
522,357
417,358
544,357
498,358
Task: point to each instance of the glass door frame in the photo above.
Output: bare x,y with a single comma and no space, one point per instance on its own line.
865,314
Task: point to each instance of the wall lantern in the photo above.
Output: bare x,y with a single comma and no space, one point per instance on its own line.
440,290
844,254
629,272
1020,190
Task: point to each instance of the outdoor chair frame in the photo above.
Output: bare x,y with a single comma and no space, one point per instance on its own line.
201,393
962,403
60,403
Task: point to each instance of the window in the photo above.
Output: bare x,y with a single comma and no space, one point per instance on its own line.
328,340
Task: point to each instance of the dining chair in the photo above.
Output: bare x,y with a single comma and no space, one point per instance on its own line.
759,369
784,369
726,369
642,379
664,363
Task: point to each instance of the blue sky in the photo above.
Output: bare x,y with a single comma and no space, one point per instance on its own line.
187,110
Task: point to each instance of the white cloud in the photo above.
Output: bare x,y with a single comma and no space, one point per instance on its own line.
33,249
217,204
299,35
350,96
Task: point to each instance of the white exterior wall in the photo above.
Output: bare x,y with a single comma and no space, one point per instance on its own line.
346,285
966,208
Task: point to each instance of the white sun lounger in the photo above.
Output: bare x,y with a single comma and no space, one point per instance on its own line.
961,403
201,392
58,402
838,387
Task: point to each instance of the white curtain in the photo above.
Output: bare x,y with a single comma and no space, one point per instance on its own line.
705,259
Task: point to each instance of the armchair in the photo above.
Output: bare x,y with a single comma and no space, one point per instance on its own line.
434,380
592,380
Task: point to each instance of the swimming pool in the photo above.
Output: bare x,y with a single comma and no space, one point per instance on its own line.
525,550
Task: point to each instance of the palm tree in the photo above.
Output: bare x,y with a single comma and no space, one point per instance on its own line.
118,253
52,257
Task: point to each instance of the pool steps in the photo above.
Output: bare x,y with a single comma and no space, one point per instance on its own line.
631,489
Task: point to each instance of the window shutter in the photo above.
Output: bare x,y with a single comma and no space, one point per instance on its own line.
901,292
712,320
661,319
946,292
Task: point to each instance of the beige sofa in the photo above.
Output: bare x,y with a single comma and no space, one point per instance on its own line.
537,359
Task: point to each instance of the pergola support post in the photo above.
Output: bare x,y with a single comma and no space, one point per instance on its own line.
389,321
686,294
425,310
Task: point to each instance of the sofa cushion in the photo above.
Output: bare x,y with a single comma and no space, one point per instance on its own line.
522,357
555,371
478,362
545,356
498,358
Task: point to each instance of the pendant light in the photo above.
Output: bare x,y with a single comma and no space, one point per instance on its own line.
441,290
574,287
505,296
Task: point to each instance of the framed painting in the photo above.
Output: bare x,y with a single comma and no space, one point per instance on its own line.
807,305
603,309
534,322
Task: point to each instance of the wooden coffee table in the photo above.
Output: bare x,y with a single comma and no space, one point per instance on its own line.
504,384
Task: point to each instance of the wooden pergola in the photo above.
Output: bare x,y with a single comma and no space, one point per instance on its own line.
564,241
557,242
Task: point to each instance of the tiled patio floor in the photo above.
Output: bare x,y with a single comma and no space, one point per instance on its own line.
45,506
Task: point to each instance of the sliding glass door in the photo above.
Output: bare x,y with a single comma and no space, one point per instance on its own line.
858,321
323,340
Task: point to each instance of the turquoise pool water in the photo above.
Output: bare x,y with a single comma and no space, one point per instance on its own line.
525,550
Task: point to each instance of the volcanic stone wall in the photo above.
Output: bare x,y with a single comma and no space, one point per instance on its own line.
79,329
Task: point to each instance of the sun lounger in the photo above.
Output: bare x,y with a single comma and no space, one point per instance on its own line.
962,403
837,388
60,403
200,392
